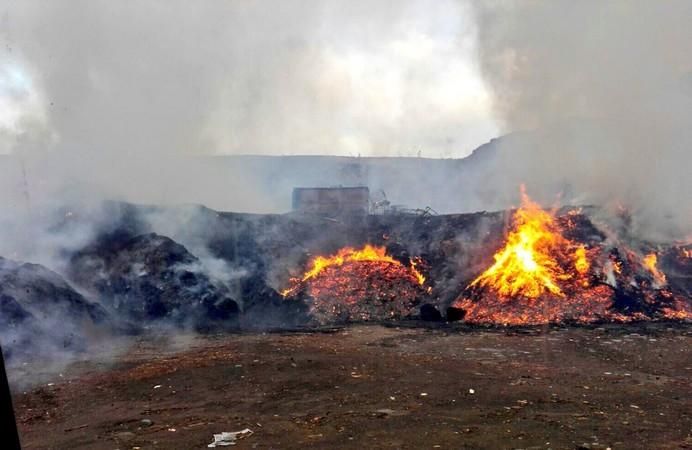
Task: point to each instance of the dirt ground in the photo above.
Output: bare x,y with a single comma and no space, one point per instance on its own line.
379,387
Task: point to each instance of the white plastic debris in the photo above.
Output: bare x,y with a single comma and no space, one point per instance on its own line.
226,438
472,391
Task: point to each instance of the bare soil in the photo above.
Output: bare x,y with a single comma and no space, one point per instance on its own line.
371,386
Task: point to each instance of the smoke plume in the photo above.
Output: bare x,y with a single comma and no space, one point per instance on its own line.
604,91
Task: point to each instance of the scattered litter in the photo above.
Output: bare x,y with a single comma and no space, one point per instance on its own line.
384,412
172,429
634,406
423,394
472,391
157,386
392,398
229,438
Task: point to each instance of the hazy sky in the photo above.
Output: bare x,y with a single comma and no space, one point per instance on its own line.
270,77
105,94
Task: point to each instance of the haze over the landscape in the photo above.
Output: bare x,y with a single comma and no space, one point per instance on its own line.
108,100
303,77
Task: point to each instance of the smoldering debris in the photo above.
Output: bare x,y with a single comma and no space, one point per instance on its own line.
41,314
130,278
149,277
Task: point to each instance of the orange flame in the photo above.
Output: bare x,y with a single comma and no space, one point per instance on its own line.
360,285
348,254
580,262
414,270
650,262
527,266
540,276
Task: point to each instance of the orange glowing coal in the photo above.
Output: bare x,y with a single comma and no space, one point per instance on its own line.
368,253
528,264
360,284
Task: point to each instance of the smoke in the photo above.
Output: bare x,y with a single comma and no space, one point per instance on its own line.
108,100
116,99
604,90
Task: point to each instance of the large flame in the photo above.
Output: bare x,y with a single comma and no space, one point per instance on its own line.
527,265
541,276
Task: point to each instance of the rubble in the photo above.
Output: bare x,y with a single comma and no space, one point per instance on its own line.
130,277
150,277
41,313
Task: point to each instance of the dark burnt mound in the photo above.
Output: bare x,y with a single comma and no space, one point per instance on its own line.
151,278
41,314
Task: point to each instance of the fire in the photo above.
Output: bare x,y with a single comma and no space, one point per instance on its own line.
527,265
414,270
360,284
580,262
650,262
540,276
348,254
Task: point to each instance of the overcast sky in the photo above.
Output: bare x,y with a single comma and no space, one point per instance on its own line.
268,77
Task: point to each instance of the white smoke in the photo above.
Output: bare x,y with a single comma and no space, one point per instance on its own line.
606,89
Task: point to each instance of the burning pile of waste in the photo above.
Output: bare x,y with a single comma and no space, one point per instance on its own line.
541,275
359,285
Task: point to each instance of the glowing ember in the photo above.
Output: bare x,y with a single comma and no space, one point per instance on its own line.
348,254
360,284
